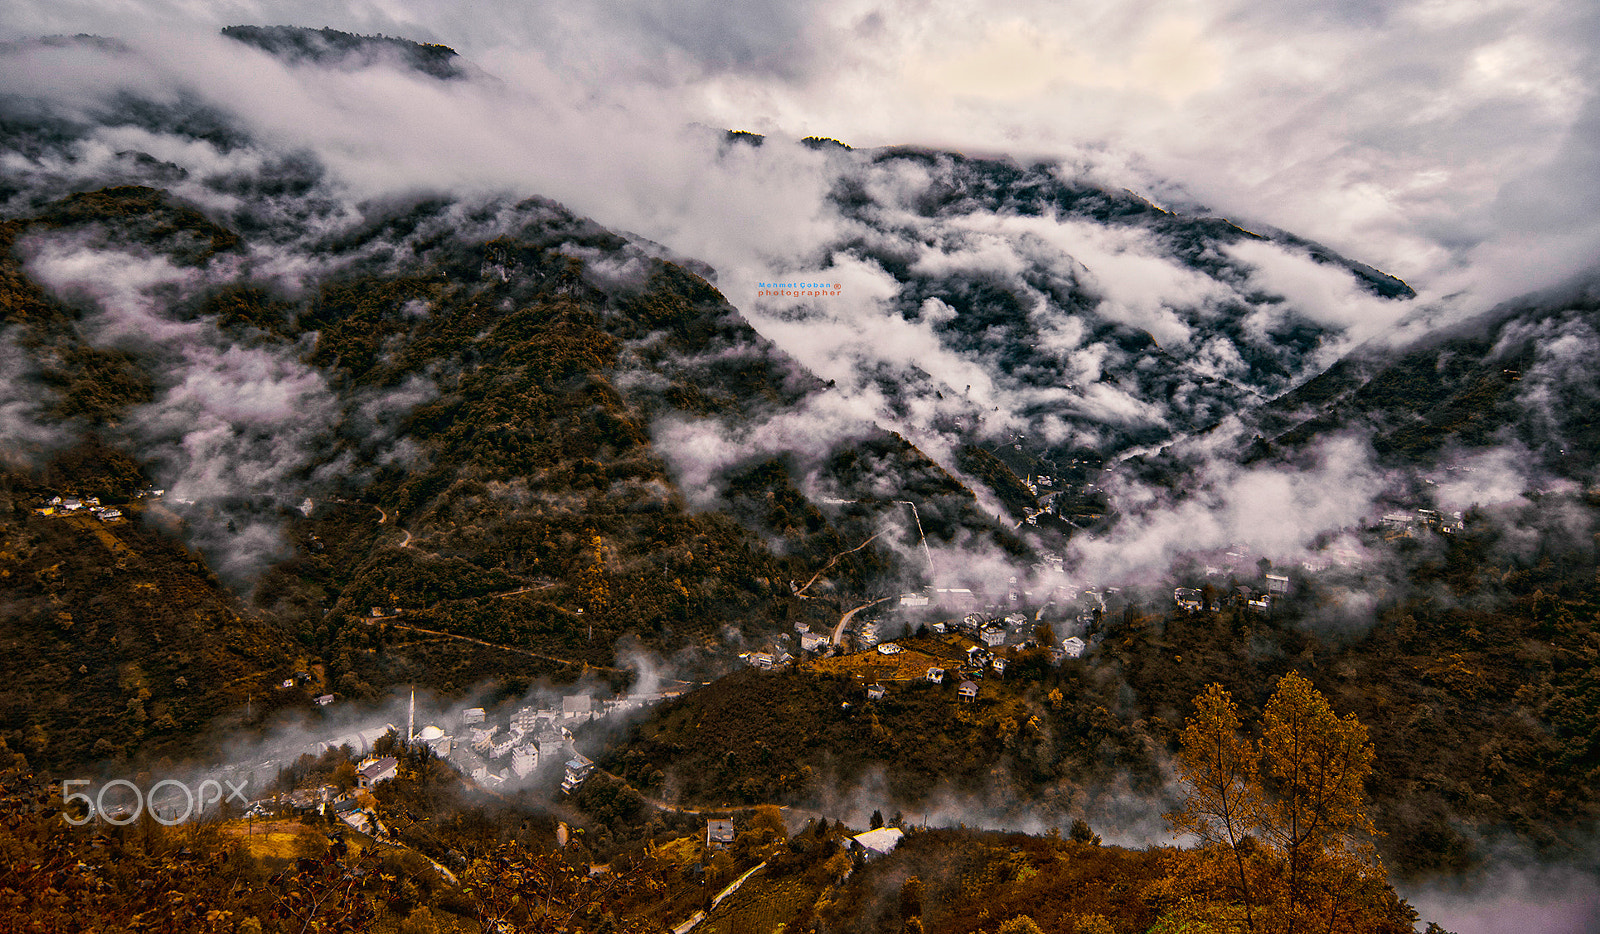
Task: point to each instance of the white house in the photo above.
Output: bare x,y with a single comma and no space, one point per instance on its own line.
524,759
578,769
876,843
378,770
1073,647
719,833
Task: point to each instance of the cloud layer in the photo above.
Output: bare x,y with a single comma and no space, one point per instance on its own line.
1451,143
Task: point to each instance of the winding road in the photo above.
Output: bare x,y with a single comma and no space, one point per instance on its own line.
845,619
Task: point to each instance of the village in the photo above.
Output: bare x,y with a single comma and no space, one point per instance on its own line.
504,751
961,636
71,504
954,636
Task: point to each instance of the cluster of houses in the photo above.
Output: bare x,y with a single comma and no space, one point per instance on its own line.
1192,600
531,738
811,643
1402,524
979,660
491,753
75,505
68,504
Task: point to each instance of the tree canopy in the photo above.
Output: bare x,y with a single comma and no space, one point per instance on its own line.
1282,817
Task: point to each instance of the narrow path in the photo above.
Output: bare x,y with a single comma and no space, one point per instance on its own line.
833,560
845,619
733,886
504,648
676,809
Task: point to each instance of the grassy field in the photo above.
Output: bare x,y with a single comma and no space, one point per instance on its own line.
761,906
277,839
912,664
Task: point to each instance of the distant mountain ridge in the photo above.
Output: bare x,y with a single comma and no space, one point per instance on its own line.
332,47
1526,373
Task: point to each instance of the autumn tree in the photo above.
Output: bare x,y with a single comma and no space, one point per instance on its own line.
911,897
1219,768
1316,768
327,892
593,588
1287,813
517,891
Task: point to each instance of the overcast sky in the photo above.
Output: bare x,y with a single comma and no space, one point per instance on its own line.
1455,143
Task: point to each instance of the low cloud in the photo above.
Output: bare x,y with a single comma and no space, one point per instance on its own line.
1275,510
26,431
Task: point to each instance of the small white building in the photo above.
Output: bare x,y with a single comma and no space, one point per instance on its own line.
472,715
719,833
1072,647
968,691
579,707
524,759
813,641
578,769
876,843
552,744
993,637
378,770
889,648
936,675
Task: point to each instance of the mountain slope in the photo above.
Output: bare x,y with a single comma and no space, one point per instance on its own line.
1521,374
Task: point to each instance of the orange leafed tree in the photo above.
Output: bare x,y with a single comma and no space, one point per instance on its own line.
1224,805
1283,819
